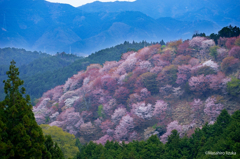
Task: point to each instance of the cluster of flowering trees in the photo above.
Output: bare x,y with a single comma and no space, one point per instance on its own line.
137,89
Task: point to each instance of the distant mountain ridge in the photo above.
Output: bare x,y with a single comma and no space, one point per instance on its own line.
51,27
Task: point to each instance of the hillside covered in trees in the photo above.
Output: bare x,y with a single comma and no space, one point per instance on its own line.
147,92
42,72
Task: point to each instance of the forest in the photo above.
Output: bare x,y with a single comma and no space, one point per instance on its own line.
173,100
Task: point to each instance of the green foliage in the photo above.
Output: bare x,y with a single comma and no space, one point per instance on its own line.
237,42
53,148
149,80
213,51
199,34
206,70
44,74
100,111
233,87
170,74
66,141
20,136
163,46
220,137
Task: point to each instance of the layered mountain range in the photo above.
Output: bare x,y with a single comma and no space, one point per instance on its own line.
51,27
150,91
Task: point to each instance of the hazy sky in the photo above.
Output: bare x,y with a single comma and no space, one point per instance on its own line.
77,3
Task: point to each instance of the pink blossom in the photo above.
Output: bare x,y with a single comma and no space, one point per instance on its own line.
222,41
198,84
235,52
54,93
133,136
216,81
157,61
184,73
196,42
109,106
160,108
97,122
211,108
211,64
156,69
184,48
145,93
222,53
145,65
121,79
108,65
104,139
171,126
122,130
193,61
107,124
74,82
121,94
206,44
110,132
118,114
230,42
142,110
128,65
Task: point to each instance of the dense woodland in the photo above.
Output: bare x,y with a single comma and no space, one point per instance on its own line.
184,65
42,72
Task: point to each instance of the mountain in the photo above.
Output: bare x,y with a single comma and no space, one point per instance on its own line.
180,86
52,27
219,11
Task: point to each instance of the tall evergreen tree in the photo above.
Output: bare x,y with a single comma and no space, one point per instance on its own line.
20,136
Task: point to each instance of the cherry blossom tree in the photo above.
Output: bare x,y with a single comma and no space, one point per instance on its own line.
118,114
156,69
183,49
222,53
125,126
198,84
171,126
121,94
160,109
74,82
196,42
104,139
107,124
193,61
142,110
181,59
128,65
133,136
235,52
222,41
145,65
212,109
229,64
206,44
230,42
211,64
108,83
108,65
158,61
216,81
109,107
184,73
54,94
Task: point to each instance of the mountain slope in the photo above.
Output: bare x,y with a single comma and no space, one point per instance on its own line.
52,27
180,86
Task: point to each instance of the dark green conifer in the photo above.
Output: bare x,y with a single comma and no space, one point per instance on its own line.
20,136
